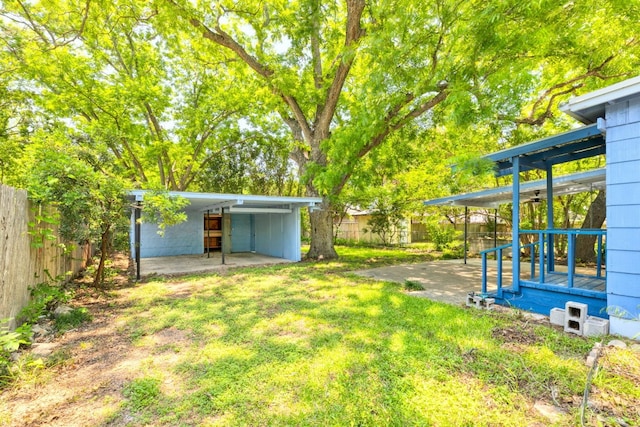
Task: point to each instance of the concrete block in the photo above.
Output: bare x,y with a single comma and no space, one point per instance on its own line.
477,300
470,302
556,317
574,317
488,303
596,326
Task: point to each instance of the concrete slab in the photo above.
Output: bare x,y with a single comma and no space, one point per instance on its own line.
446,280
187,264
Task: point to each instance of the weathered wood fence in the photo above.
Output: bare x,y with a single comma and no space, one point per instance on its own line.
22,265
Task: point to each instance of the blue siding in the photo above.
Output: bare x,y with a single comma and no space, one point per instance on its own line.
270,234
241,233
186,238
623,209
291,248
623,194
624,216
625,239
623,172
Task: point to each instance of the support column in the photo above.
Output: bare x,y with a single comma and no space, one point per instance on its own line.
550,238
136,218
515,220
466,232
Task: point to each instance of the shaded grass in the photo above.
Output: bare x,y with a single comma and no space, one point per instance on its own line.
311,344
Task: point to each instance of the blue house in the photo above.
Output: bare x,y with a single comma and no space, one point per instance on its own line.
228,223
611,118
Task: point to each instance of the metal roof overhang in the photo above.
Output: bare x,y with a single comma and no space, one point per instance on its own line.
580,143
238,203
492,198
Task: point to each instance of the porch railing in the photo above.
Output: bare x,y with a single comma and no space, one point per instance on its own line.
539,251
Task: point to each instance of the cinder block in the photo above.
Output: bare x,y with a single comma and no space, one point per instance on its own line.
595,326
470,302
477,300
574,317
488,303
556,317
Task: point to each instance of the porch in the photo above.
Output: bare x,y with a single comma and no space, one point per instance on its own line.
543,283
537,280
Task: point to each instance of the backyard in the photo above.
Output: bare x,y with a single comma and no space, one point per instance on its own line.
312,344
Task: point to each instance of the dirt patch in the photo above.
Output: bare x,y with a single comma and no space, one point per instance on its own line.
520,334
608,406
91,365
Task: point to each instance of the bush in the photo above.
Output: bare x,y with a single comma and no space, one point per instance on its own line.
44,298
442,237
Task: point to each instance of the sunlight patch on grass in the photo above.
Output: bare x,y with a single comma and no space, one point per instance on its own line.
312,344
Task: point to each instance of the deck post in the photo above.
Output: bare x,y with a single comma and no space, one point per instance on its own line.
550,241
571,258
515,220
466,232
495,229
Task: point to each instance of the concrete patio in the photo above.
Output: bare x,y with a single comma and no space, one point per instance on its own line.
446,280
187,264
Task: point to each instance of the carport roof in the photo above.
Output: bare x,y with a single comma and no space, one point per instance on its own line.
492,198
239,203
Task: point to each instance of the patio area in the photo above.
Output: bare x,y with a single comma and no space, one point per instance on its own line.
446,281
188,264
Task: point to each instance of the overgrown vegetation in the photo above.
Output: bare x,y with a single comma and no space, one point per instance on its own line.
45,298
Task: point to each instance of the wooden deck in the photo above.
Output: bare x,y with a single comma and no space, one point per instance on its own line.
580,282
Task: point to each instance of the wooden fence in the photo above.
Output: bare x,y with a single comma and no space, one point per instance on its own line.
22,264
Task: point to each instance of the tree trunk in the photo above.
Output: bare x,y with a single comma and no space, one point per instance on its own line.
322,233
104,252
596,215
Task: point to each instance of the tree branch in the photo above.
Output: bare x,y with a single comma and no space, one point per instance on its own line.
353,33
392,125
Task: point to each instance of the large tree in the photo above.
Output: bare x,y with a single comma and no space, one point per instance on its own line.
344,75
153,107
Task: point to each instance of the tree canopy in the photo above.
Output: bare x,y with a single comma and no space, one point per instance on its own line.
170,93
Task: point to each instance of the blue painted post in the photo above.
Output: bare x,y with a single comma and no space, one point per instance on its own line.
532,250
550,241
515,220
571,258
499,281
599,256
484,273
541,254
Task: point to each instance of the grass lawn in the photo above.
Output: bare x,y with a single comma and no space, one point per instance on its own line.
311,344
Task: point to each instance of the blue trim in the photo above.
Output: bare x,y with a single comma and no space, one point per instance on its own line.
515,225
499,195
549,147
561,289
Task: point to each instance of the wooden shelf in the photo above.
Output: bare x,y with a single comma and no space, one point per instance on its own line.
212,232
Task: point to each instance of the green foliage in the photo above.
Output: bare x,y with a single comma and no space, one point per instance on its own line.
386,220
73,319
45,297
142,393
10,341
163,209
441,236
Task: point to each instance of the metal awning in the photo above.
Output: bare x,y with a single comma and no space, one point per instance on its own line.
568,184
576,144
238,203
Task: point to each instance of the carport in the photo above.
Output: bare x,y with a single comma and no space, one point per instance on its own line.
222,224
